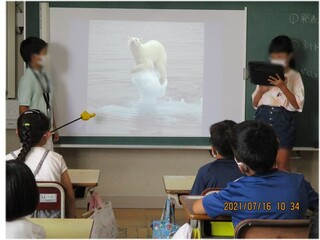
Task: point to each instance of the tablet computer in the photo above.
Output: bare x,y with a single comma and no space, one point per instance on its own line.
260,72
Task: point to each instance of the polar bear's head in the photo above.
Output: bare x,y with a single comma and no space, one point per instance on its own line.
134,43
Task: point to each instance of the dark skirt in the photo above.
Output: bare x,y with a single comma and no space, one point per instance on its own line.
282,121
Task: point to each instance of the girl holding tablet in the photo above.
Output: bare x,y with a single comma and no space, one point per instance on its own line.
276,105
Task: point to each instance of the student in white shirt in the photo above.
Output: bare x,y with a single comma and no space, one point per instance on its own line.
33,131
35,90
276,105
22,198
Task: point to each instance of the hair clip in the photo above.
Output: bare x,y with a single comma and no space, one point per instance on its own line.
31,111
27,112
27,125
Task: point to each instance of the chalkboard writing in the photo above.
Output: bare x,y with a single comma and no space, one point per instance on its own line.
303,18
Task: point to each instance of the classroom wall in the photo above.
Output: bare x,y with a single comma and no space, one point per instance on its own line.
133,178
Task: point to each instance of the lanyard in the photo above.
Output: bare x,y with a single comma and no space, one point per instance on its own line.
46,92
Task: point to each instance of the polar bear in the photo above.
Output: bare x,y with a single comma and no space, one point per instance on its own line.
149,56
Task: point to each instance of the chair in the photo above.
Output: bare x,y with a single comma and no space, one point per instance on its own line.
258,228
52,197
209,191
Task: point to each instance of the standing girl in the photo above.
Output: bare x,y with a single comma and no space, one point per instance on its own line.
34,132
276,105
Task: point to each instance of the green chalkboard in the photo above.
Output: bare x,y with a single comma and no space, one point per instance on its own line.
265,20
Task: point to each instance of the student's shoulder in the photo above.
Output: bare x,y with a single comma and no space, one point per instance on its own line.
238,182
205,168
295,75
27,77
38,231
35,230
294,177
23,228
56,158
289,177
208,168
13,155
213,164
55,155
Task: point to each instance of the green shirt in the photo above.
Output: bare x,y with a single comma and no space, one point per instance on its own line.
30,92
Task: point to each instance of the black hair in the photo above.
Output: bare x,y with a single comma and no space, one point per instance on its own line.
22,195
32,125
31,45
282,44
255,144
219,137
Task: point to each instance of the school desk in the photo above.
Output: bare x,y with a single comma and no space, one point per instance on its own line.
83,180
65,228
187,203
197,220
178,185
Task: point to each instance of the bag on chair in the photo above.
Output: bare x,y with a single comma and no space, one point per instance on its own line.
104,222
165,227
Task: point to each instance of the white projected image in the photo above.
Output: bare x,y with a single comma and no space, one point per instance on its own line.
145,78
147,72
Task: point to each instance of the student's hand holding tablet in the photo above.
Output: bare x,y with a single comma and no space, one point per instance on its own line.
277,81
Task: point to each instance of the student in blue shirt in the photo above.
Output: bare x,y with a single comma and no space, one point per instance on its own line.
224,169
265,193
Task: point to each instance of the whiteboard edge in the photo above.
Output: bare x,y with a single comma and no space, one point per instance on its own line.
245,59
110,146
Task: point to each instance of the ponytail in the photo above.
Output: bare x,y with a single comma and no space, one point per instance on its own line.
25,139
32,125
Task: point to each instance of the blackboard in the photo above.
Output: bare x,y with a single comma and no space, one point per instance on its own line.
265,20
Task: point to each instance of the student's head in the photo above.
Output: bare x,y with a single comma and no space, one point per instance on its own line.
33,130
22,194
219,138
255,146
281,51
33,51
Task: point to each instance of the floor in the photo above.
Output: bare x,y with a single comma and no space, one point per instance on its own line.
135,223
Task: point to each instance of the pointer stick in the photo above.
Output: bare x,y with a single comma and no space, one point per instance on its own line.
65,125
85,116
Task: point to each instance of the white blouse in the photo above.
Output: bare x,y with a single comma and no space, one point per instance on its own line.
52,167
275,97
22,228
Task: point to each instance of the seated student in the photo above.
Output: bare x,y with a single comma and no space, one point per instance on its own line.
265,193
33,131
22,198
223,170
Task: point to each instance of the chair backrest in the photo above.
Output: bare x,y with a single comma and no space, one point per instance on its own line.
260,228
210,191
52,197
